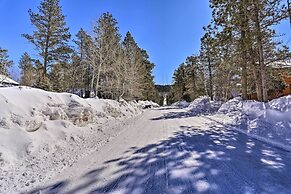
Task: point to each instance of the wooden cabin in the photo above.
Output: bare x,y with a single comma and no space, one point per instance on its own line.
283,69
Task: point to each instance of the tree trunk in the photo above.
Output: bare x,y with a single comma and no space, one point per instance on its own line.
210,79
45,61
244,28
244,64
263,75
258,82
194,78
244,78
98,78
92,84
261,53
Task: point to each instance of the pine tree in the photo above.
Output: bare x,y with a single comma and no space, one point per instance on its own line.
130,72
27,74
137,71
108,52
232,18
149,91
265,14
5,63
208,54
51,35
179,85
80,67
245,29
194,78
59,77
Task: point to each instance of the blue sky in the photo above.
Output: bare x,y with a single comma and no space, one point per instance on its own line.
170,30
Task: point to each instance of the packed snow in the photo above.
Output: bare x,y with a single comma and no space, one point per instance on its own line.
47,139
58,128
269,122
203,105
177,154
181,104
144,104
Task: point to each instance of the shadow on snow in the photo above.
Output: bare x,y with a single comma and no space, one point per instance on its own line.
180,115
213,160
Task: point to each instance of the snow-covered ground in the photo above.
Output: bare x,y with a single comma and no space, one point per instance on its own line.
173,155
60,143
181,104
269,122
201,105
42,132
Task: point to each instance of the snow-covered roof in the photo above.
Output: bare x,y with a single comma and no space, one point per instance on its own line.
5,79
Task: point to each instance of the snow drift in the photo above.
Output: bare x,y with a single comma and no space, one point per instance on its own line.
143,104
270,122
181,104
58,128
203,105
30,118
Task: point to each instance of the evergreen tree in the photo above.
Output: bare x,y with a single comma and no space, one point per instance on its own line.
27,74
245,31
133,62
194,78
208,55
59,77
80,67
179,85
149,91
50,36
5,63
108,52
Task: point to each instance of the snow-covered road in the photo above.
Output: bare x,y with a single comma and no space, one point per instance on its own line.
165,151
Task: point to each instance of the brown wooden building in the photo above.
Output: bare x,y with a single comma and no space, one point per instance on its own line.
283,70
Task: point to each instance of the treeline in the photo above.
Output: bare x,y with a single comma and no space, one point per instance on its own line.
101,64
237,52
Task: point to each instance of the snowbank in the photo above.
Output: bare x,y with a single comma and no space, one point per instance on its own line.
203,105
143,104
270,122
38,126
31,117
181,104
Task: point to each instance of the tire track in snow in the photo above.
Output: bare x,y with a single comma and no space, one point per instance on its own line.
235,179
